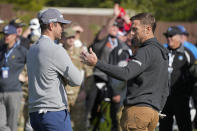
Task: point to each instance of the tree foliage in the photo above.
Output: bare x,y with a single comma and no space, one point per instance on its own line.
166,10
177,10
30,5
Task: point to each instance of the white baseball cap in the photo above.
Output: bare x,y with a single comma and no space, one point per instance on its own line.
34,24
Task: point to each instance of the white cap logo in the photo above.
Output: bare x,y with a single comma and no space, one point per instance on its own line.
53,20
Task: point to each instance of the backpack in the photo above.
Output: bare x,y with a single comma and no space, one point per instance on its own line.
102,121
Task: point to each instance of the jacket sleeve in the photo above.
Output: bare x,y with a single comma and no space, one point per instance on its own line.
136,65
193,70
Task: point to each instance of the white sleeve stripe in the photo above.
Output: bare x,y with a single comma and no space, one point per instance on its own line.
138,62
187,56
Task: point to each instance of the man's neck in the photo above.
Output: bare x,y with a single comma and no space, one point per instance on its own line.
113,39
175,47
49,34
68,47
147,38
10,45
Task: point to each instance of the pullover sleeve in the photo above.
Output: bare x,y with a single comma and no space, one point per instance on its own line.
135,67
67,69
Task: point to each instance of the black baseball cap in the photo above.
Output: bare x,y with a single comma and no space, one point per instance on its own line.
183,30
171,31
17,23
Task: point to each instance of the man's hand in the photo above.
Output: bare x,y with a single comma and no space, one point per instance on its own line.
87,58
116,10
126,19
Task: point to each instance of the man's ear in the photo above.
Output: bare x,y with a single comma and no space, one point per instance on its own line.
148,29
51,26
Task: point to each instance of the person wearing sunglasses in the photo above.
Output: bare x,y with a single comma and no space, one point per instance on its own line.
180,60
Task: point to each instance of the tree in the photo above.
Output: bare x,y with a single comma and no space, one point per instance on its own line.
177,10
30,5
165,10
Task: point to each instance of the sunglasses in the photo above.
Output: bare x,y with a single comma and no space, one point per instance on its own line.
169,36
70,37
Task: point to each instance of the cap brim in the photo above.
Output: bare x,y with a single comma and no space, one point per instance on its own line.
166,34
70,36
22,24
65,21
19,25
9,33
186,33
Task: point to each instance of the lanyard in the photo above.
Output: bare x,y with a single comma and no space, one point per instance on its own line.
170,68
11,50
171,58
113,43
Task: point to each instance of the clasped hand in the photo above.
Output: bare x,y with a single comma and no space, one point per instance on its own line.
88,58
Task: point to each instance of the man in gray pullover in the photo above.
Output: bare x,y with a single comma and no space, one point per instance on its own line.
49,68
146,75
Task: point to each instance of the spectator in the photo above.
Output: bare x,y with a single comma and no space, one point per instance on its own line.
33,32
105,42
119,56
19,26
78,30
184,40
181,83
123,22
193,49
12,61
76,102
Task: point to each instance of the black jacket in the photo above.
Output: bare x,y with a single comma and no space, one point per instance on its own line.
146,73
181,78
119,56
